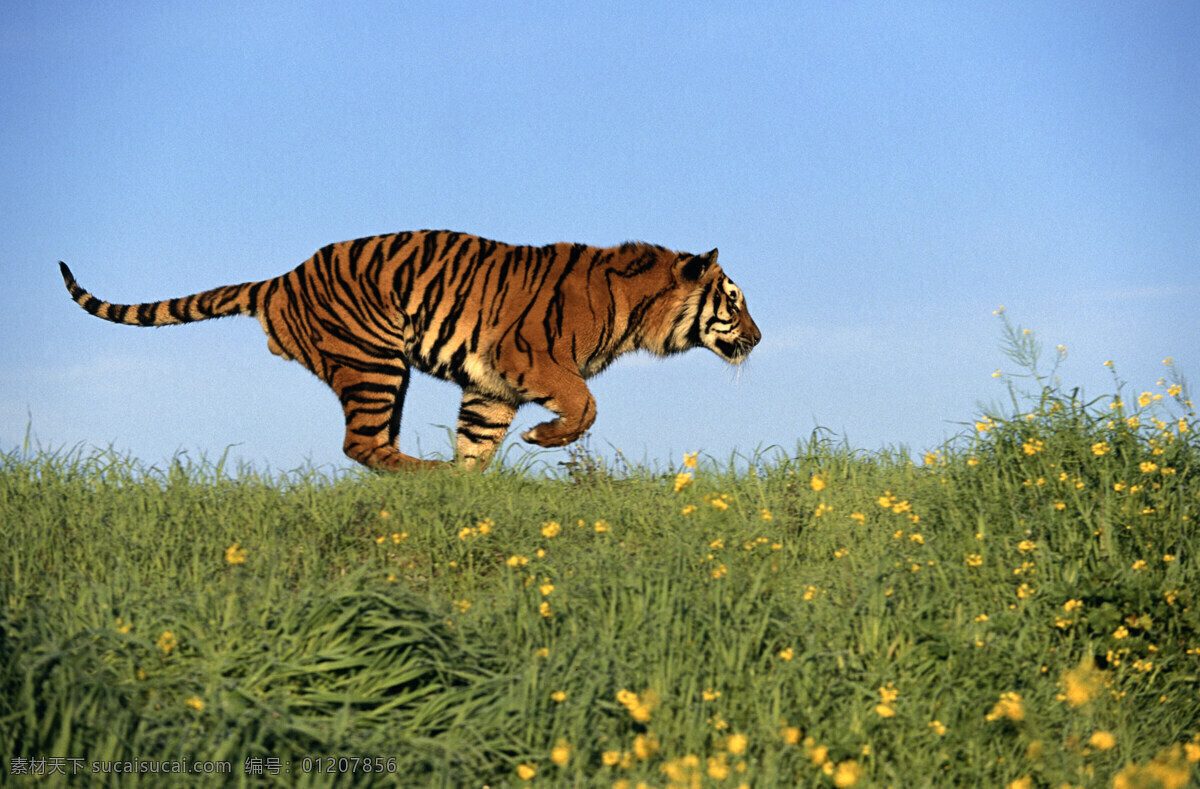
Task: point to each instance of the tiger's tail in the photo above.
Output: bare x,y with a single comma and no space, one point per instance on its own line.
216,303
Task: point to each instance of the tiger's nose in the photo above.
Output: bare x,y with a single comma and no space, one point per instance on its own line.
753,334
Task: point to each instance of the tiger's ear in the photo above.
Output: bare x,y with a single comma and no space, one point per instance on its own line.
692,267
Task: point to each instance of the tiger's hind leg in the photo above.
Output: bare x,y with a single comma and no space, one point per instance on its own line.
482,422
372,395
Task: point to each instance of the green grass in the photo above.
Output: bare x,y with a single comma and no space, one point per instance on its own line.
372,617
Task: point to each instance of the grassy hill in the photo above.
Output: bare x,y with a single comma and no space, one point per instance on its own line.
1019,608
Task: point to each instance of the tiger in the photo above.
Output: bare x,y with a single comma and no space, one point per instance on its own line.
509,324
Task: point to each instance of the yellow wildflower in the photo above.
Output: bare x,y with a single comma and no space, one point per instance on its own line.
689,459
526,771
645,746
818,755
817,482
786,653
235,554
561,753
847,773
559,695
196,703
1081,684
166,642
1168,770
551,529
718,768
1009,706
1102,740
736,743
639,706
682,480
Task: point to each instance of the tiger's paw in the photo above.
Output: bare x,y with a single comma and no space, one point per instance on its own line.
550,434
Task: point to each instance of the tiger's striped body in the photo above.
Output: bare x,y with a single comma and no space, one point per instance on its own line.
509,324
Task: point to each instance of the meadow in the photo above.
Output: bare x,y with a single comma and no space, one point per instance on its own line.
1017,608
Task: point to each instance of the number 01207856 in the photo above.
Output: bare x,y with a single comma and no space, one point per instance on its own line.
347,764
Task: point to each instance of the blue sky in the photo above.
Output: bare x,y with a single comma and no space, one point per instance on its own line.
879,177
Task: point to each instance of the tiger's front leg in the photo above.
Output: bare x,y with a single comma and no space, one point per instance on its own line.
564,392
482,422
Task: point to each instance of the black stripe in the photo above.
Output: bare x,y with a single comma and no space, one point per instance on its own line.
252,296
180,308
398,242
429,251
356,248
353,390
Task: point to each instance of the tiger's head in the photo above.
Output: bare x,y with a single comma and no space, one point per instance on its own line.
710,312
